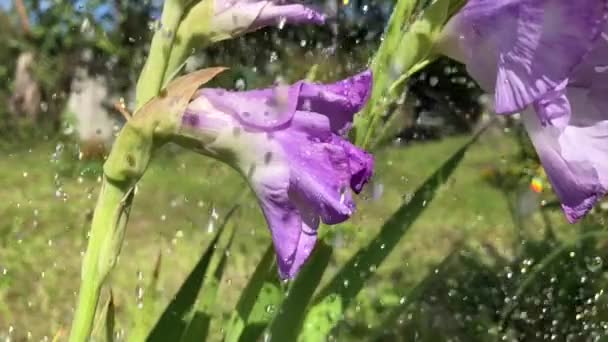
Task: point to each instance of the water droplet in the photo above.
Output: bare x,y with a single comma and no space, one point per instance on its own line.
139,296
274,56
594,264
269,308
240,84
85,25
282,23
213,216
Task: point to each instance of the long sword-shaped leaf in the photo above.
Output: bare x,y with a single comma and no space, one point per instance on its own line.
335,298
258,302
287,323
146,310
173,321
198,327
414,294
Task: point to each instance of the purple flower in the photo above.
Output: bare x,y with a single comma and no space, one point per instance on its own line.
545,59
234,17
288,141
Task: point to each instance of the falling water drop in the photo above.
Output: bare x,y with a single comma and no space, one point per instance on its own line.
213,216
594,264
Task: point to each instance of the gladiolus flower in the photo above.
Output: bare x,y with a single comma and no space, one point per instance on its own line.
235,17
288,141
545,59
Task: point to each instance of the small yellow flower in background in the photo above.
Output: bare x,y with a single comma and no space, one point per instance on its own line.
536,185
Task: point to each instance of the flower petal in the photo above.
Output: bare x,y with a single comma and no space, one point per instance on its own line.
554,107
361,164
238,16
531,46
320,176
574,155
301,171
257,109
293,235
273,14
340,100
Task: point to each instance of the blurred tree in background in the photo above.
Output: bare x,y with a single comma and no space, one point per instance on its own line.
102,37
109,38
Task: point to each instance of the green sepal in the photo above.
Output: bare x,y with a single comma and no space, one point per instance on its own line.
152,125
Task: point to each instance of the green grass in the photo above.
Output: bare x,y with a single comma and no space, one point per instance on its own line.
45,208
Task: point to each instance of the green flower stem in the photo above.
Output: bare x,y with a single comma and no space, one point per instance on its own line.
124,167
151,79
381,65
406,49
193,32
107,230
126,163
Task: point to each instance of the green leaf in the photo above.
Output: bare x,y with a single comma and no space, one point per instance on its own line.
287,324
259,299
106,321
198,327
110,319
145,314
174,320
414,294
264,309
335,298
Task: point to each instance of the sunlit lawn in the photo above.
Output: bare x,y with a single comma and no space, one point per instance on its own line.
45,209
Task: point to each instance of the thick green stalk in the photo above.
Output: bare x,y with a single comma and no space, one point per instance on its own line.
151,79
192,33
405,49
127,162
381,65
106,234
125,165
152,126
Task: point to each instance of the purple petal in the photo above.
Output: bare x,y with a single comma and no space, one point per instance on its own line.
238,16
554,107
340,100
293,238
529,47
292,14
361,165
301,171
574,154
258,109
320,175
594,69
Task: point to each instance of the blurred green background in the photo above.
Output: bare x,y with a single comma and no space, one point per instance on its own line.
488,255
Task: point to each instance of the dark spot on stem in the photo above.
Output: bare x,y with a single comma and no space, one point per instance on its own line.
130,160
